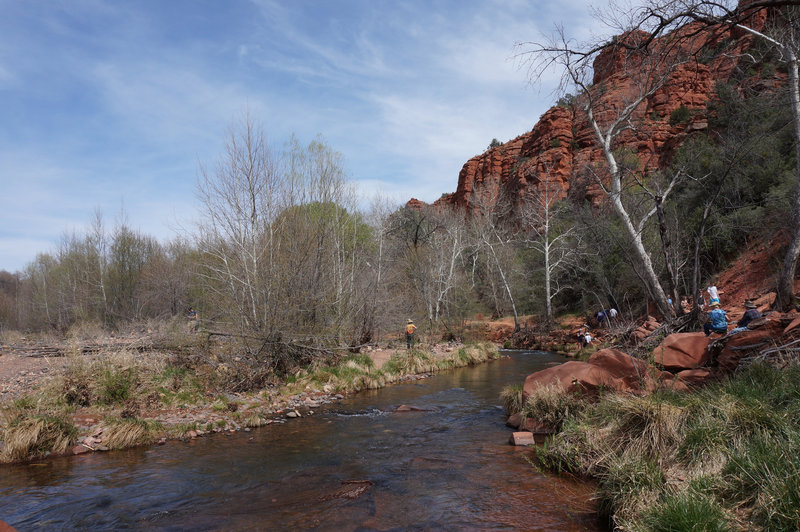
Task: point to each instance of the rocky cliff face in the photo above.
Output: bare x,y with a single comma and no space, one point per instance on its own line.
562,151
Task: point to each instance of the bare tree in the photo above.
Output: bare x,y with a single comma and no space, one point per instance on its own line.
643,72
498,238
238,202
773,22
556,243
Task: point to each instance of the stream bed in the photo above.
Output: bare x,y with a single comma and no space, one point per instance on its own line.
353,465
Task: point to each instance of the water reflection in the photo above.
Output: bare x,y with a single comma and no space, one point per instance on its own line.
357,465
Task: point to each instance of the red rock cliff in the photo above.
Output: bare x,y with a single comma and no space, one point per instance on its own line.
561,148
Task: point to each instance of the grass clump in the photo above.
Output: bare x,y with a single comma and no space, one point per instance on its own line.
178,385
628,484
129,432
724,458
765,477
351,374
31,437
411,362
552,405
686,512
116,385
512,399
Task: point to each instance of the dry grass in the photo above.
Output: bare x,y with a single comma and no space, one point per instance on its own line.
723,458
512,399
86,332
37,437
552,405
10,336
124,433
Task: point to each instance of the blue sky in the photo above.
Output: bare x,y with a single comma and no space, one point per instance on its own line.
114,105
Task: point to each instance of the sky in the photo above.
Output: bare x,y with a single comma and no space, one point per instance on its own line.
113,106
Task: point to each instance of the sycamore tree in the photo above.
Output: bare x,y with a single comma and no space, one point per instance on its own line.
774,23
496,239
546,233
613,103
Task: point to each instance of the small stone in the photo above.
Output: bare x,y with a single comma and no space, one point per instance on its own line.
80,449
522,438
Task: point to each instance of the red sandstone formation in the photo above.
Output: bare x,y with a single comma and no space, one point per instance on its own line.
561,148
682,351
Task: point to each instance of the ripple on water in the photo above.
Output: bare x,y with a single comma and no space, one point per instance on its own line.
357,466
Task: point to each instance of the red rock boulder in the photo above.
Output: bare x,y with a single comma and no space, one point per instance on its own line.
747,342
681,351
572,376
633,373
668,381
694,378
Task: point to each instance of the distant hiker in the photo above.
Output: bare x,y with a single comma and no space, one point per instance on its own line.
717,320
713,295
750,314
410,328
191,316
606,315
585,339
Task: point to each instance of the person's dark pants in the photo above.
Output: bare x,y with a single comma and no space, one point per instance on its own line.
708,329
409,340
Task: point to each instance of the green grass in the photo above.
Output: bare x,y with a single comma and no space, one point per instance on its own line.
552,406
726,457
686,512
357,371
178,385
512,399
116,385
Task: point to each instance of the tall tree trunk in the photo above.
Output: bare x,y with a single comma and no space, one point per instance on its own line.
785,290
665,244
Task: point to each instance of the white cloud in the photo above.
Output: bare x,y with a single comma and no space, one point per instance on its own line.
114,104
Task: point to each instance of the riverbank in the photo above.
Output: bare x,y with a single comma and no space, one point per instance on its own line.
723,457
117,392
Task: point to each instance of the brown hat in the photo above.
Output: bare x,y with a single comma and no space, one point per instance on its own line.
749,304
714,304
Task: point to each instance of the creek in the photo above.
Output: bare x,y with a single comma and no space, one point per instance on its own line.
353,465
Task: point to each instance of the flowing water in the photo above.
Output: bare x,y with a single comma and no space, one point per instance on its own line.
355,465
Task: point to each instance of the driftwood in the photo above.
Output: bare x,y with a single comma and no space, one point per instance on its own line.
679,324
41,351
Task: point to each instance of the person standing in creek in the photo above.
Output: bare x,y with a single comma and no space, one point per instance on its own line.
410,328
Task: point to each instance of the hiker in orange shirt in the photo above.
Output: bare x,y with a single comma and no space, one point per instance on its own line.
410,328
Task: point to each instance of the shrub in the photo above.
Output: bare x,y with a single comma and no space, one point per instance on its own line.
116,385
680,115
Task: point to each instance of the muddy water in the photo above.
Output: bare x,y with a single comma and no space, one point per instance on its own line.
356,465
